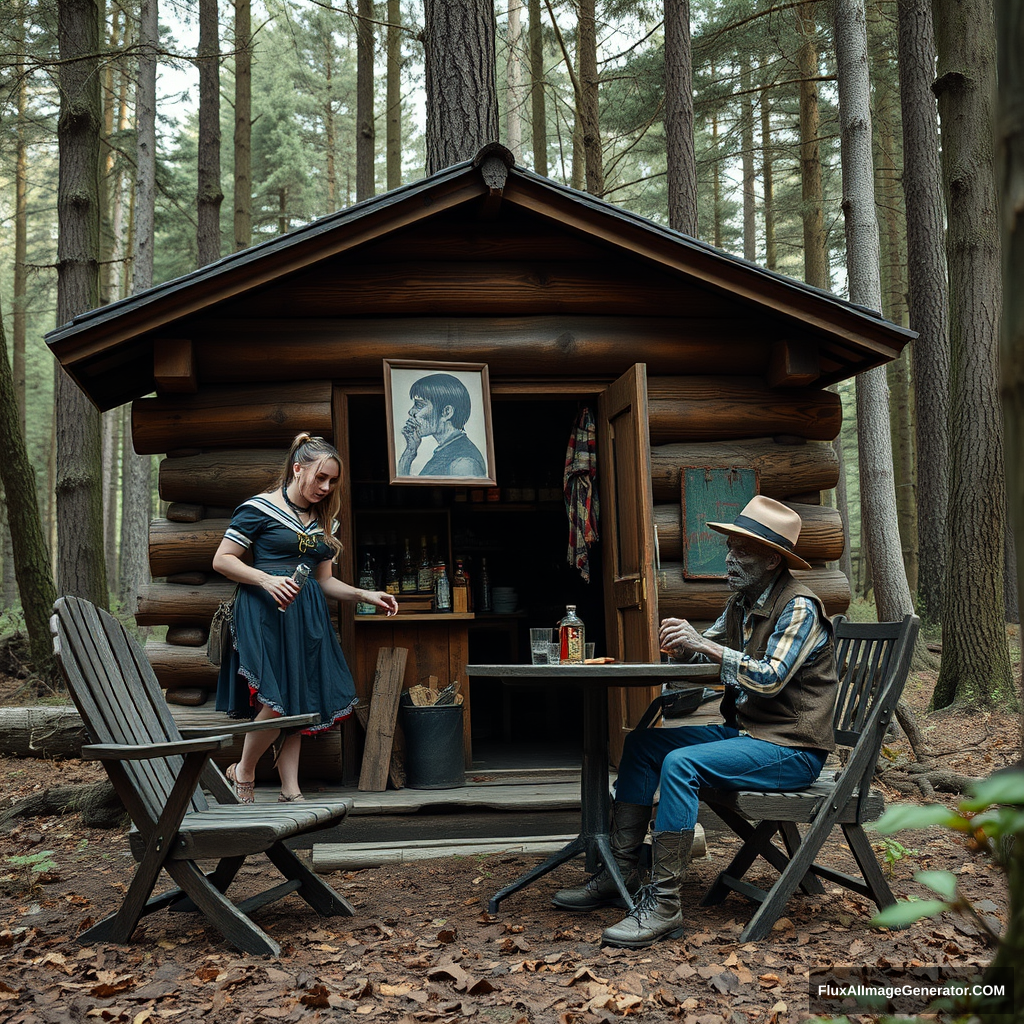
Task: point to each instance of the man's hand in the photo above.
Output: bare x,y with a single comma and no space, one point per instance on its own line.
413,438
677,636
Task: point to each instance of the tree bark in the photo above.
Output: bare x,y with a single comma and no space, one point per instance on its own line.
393,143
747,161
209,195
28,543
365,134
80,568
243,124
462,104
771,259
874,441
680,154
926,292
538,105
812,210
514,79
587,110
975,667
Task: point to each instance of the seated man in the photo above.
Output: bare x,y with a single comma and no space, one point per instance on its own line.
774,643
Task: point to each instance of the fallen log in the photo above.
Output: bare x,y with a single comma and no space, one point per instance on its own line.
50,732
97,803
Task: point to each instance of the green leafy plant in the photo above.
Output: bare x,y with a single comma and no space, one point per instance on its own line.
893,851
30,869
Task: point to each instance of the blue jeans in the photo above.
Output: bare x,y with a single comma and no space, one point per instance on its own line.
684,759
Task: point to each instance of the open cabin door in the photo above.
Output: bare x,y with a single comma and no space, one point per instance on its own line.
627,534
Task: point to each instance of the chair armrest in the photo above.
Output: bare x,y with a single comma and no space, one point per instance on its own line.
146,751
236,728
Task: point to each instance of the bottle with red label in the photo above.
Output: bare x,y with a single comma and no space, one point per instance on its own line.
571,638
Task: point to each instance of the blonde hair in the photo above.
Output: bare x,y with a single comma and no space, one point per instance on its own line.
307,450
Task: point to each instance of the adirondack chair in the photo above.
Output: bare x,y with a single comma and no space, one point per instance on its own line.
157,773
873,661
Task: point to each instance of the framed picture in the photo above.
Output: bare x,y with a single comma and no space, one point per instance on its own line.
439,423
716,496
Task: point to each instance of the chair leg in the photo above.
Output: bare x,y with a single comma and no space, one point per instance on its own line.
877,886
810,883
756,842
314,890
237,929
220,878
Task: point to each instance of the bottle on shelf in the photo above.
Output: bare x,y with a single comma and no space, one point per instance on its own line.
366,582
409,576
425,573
571,638
442,591
485,587
392,577
460,588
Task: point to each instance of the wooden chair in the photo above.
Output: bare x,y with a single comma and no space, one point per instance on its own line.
873,661
157,773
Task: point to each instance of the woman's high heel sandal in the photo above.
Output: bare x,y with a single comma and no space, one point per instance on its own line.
284,798
245,791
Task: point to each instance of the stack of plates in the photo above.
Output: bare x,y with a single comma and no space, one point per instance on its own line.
506,600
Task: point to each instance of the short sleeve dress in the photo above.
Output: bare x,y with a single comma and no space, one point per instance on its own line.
290,661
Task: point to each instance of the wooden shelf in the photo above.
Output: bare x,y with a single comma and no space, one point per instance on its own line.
440,618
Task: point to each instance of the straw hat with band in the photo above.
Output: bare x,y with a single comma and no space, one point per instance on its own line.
770,523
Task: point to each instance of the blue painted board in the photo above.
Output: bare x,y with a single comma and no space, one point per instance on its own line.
711,495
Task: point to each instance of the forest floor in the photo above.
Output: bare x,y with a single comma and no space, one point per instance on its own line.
423,948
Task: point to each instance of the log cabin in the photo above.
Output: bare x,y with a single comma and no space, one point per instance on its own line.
687,356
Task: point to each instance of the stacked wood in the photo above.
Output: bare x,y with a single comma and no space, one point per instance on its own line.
184,547
691,409
179,666
257,416
703,600
224,478
821,532
783,469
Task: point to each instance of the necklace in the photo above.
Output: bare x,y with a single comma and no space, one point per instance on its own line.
291,504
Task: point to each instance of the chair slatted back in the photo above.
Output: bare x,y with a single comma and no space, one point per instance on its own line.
119,698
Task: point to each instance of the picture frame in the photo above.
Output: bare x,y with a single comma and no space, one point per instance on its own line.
711,495
443,437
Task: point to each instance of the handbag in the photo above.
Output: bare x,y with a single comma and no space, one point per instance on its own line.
219,638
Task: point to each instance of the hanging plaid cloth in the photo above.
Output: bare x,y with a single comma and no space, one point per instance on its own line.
581,503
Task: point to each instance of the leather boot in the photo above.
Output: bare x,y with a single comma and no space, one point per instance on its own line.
657,913
628,828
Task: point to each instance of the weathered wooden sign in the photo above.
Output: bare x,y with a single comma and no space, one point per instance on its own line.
710,495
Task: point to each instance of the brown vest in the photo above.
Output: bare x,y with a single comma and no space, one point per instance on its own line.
800,714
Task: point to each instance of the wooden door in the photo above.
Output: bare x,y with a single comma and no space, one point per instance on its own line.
627,534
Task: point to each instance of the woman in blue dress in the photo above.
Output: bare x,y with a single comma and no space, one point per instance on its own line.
285,657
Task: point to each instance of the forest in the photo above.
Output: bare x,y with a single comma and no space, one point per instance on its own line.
218,126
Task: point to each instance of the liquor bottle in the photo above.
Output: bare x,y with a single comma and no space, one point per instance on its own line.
571,638
392,578
409,577
366,582
485,587
425,573
460,588
442,592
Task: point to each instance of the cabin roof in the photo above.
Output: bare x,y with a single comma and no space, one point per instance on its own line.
107,350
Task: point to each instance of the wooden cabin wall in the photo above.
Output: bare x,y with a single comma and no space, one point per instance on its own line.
226,444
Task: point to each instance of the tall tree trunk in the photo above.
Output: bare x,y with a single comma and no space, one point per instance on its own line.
80,568
587,107
716,182
926,292
771,258
975,668
681,158
136,470
394,95
1007,965
877,485
243,124
209,195
813,206
365,135
514,79
462,100
894,307
747,162
31,559
538,106
330,128
110,437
